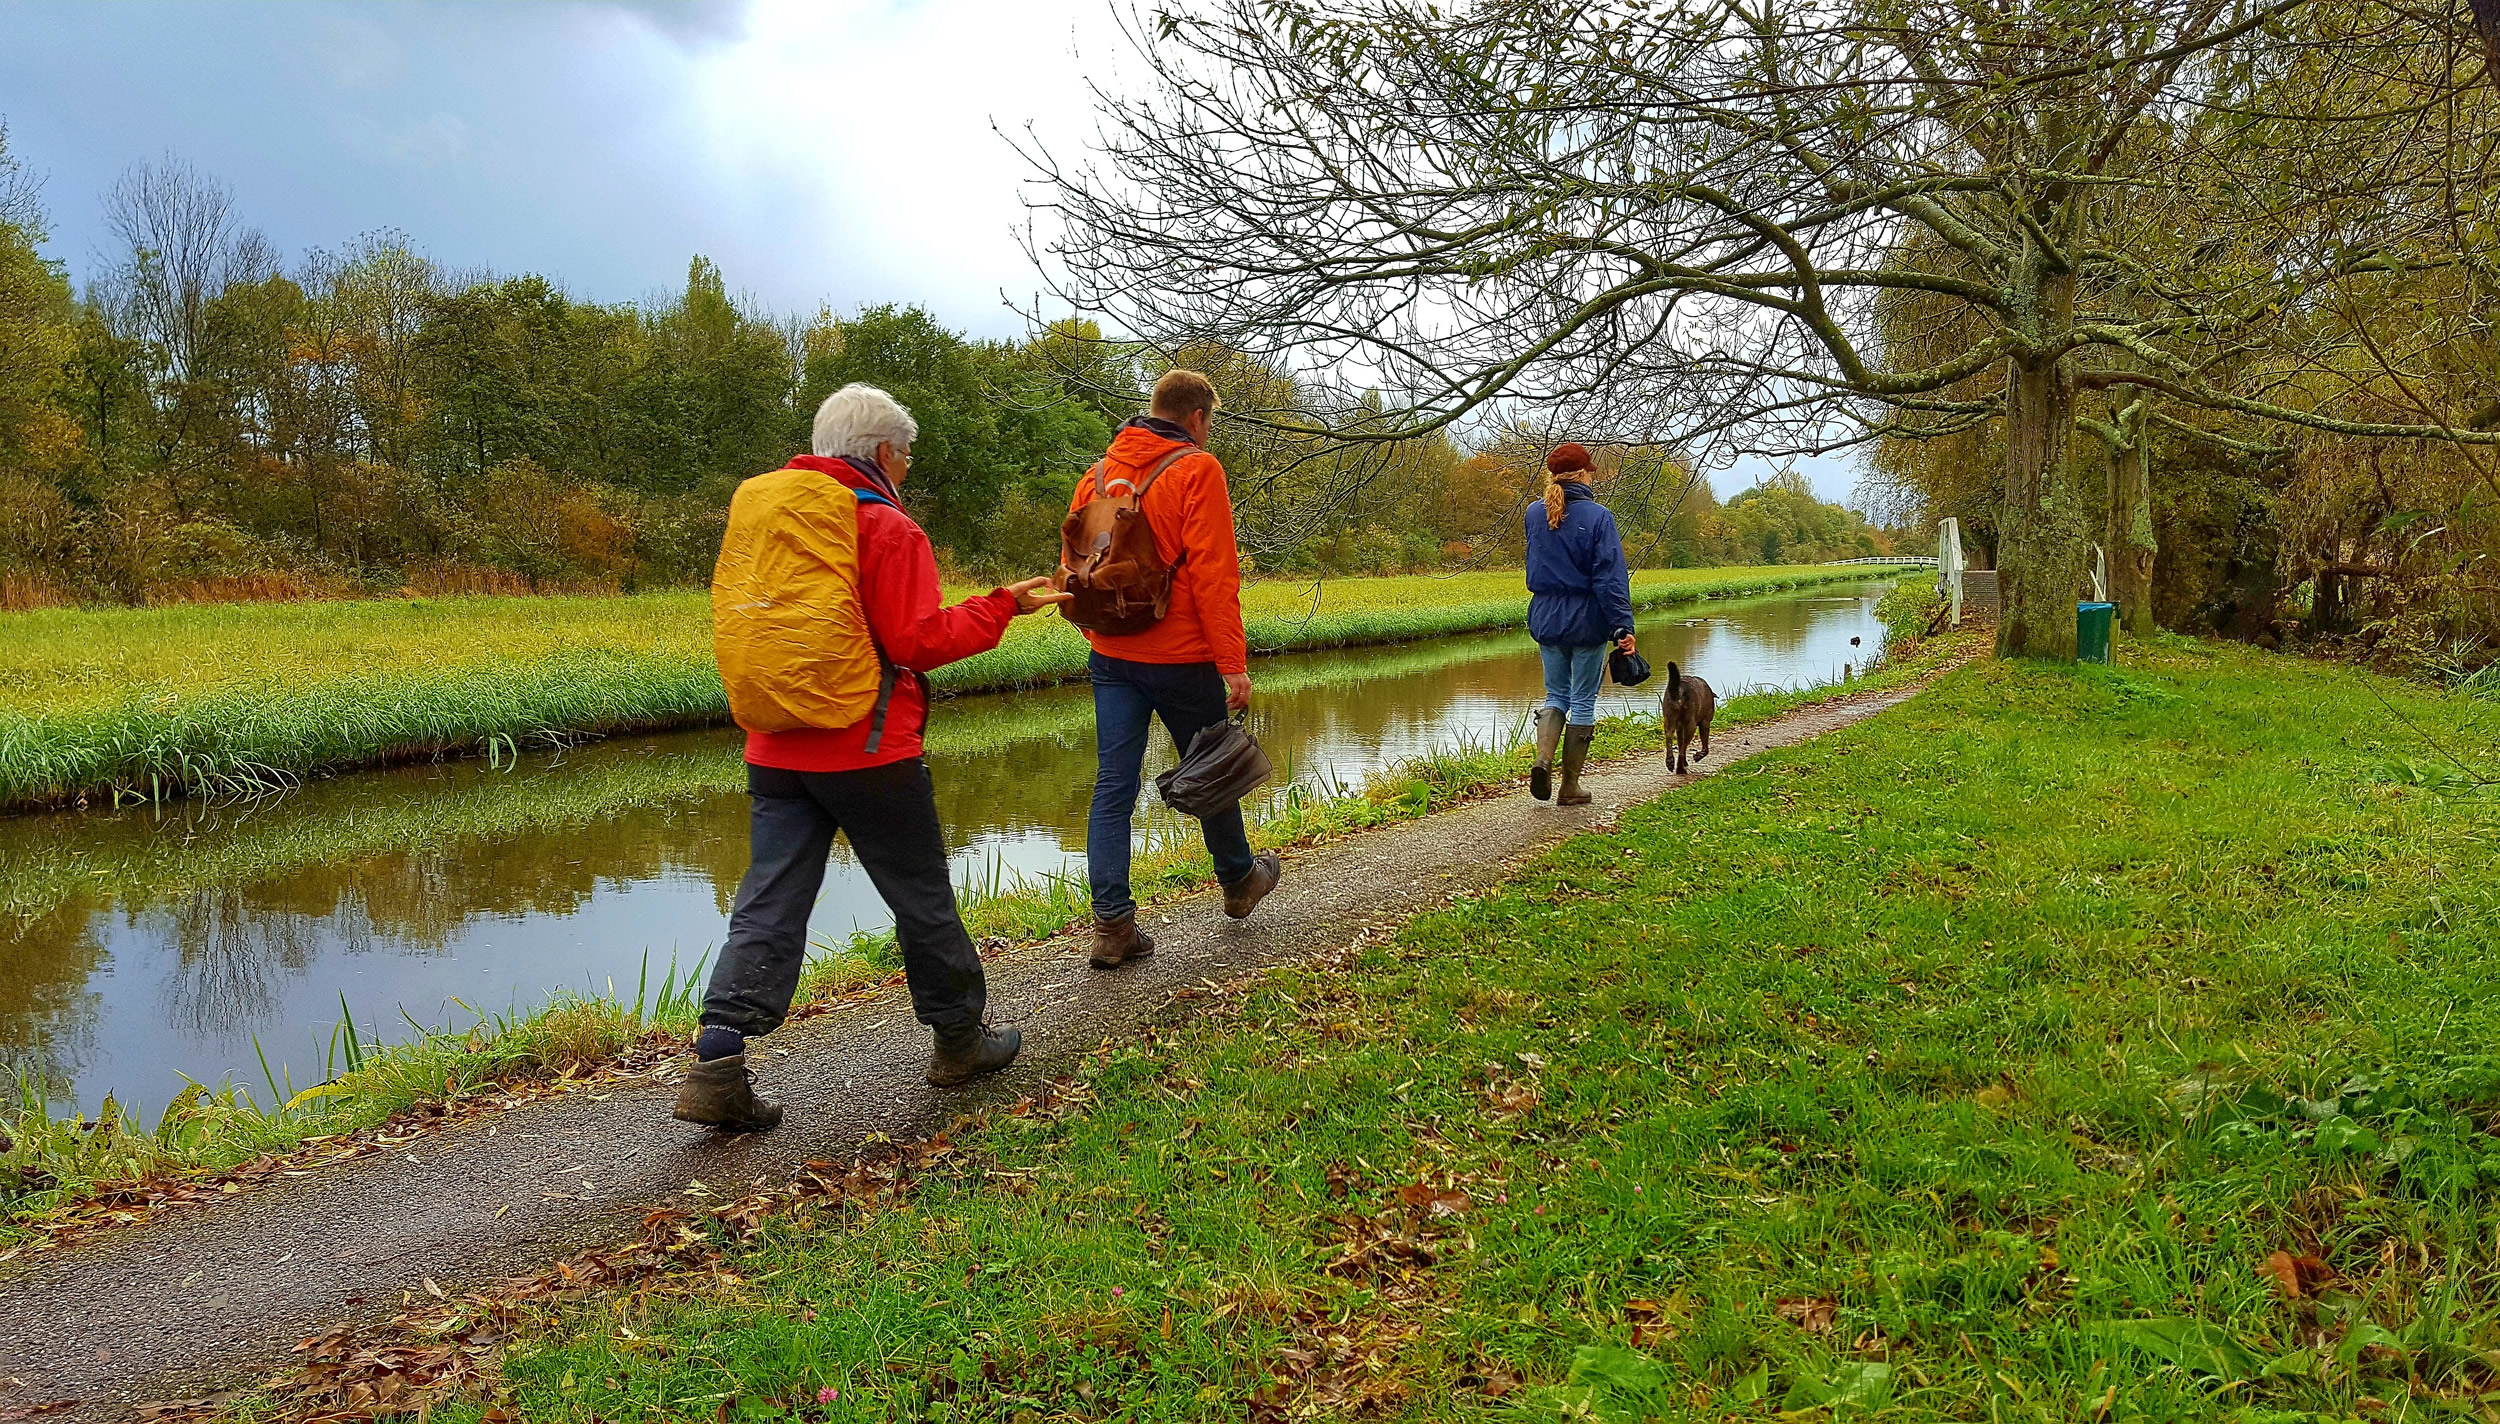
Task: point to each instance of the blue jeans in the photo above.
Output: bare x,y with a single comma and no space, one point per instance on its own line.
1572,678
1127,698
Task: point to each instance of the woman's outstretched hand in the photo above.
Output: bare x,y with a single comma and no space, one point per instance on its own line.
1035,594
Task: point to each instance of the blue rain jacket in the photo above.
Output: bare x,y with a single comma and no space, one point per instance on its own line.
1580,588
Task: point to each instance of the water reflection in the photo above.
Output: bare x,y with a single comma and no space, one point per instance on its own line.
140,946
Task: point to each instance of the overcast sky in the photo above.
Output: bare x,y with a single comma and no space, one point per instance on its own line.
839,152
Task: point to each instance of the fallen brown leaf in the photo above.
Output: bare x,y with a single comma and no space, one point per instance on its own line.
1812,1314
2298,1277
1433,1201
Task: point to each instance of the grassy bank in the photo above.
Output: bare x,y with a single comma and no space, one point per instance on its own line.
2069,1044
70,1170
162,701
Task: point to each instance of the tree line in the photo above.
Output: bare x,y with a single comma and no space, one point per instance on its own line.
207,420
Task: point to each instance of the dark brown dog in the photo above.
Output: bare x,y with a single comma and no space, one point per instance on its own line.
1684,711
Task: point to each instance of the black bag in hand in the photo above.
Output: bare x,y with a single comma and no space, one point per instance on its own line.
1223,765
1627,669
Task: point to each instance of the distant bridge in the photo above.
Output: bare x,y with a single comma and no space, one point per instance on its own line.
1924,561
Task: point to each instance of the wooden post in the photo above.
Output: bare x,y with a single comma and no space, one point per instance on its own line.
1949,565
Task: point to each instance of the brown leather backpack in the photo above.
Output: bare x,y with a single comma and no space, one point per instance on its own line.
1108,559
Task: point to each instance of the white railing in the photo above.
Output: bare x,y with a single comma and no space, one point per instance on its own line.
1925,561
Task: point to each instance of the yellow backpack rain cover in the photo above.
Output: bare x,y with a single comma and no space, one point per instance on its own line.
787,622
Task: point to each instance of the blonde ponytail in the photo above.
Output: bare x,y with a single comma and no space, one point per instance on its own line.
1567,462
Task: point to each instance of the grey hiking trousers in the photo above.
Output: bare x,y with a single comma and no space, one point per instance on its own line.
890,814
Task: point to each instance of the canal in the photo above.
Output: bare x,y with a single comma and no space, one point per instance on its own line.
144,948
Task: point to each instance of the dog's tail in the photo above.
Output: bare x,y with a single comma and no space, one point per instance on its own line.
1675,681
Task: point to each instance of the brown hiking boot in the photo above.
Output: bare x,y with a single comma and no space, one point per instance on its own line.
1575,752
1244,895
720,1093
964,1054
1549,729
1116,942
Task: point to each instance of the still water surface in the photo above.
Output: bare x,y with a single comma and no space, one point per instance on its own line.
142,948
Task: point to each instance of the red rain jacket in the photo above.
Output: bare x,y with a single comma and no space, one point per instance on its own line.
898,584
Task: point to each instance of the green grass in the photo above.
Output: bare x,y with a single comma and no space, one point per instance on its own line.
56,1171
160,702
61,1165
1966,1064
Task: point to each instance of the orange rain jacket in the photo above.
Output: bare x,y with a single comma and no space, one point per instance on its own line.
1191,513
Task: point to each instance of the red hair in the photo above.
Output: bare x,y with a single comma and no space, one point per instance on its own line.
1567,462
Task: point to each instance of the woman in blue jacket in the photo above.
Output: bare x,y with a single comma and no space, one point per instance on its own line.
1580,602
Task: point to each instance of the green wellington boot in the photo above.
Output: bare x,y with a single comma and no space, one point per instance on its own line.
1575,752
1549,730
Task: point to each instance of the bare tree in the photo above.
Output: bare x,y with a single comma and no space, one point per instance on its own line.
185,246
1673,221
21,193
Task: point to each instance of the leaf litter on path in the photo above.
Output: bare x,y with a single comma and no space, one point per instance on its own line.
451,1343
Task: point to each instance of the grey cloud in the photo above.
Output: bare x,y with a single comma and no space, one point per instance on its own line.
695,24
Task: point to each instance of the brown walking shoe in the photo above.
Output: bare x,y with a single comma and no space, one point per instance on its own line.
1116,942
720,1093
961,1055
1244,895
1575,751
1549,728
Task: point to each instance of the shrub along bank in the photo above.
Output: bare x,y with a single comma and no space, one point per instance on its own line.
164,701
60,1172
2070,1043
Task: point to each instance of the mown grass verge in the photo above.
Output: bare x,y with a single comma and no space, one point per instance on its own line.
161,702
2068,1044
67,1174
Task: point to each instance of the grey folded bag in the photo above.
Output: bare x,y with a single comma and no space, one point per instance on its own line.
1223,764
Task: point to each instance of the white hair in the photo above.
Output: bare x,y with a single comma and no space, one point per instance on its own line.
858,418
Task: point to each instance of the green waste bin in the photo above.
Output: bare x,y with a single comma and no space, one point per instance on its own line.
2092,622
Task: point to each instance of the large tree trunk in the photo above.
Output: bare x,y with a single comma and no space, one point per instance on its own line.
2041,545
2129,539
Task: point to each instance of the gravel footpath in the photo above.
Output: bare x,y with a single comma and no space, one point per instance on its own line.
199,1299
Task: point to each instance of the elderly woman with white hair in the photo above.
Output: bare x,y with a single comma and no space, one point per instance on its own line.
865,779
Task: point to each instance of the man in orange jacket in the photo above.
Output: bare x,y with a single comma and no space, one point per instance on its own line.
1190,668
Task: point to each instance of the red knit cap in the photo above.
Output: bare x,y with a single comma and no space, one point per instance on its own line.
1567,458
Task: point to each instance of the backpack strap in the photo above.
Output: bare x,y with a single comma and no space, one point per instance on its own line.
888,675
1139,488
1161,465
885,700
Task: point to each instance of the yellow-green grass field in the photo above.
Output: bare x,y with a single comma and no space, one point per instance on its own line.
160,702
